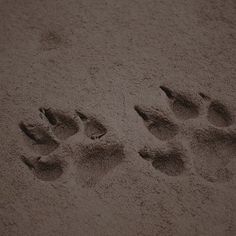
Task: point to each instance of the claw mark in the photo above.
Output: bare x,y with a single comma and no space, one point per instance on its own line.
170,163
182,107
63,126
204,96
219,115
82,116
27,162
157,124
49,115
38,138
93,128
43,170
168,92
30,134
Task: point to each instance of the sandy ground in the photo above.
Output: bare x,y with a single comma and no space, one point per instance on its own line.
117,117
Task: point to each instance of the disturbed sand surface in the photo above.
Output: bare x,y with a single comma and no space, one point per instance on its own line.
118,117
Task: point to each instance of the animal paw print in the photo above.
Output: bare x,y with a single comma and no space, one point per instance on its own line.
47,130
204,127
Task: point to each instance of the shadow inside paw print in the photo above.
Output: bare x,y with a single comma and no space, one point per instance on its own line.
212,146
62,125
171,163
181,105
219,115
45,171
157,123
46,131
92,128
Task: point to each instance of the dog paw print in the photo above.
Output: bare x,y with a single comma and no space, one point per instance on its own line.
203,125
48,129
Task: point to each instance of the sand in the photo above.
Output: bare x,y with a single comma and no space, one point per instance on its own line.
117,117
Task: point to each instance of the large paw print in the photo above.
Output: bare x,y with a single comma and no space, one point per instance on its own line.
196,130
47,131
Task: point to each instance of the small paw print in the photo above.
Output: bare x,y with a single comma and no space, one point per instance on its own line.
206,125
49,132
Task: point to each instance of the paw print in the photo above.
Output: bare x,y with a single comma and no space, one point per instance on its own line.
194,132
52,135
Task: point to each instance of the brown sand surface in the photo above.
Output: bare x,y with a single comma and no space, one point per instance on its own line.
117,117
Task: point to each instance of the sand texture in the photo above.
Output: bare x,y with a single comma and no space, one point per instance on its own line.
118,117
